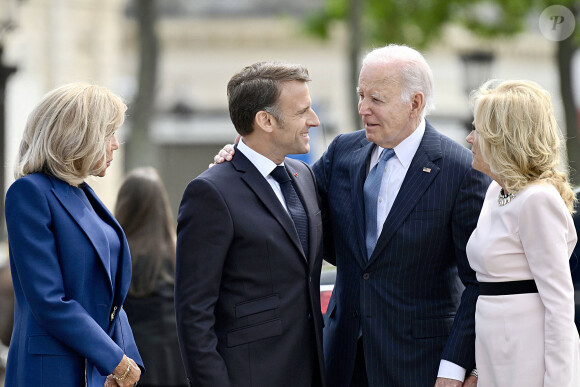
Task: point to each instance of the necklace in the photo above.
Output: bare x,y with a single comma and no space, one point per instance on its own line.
504,199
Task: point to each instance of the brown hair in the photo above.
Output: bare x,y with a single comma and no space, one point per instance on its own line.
257,88
143,211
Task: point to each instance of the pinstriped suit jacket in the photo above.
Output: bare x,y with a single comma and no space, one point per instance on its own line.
408,298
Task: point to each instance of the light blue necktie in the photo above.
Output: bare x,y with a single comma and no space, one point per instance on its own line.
371,189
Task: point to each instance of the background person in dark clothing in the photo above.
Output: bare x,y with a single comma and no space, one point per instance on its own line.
575,261
143,211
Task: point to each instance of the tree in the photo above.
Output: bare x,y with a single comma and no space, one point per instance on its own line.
139,150
565,54
515,11
418,23
413,22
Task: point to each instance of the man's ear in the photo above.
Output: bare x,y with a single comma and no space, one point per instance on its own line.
264,121
417,104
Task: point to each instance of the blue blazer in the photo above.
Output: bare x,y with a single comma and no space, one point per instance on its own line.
407,298
67,316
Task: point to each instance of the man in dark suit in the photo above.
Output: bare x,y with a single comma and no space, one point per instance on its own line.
399,202
398,315
249,245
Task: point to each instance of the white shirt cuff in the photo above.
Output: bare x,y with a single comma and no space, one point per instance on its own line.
451,371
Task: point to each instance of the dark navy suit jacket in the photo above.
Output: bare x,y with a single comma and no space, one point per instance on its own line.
247,299
407,299
59,257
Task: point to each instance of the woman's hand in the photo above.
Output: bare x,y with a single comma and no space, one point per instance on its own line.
226,153
110,382
126,374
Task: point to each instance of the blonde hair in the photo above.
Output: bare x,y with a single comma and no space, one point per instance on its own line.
519,136
66,134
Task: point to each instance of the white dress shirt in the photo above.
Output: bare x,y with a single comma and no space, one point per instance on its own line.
395,171
265,166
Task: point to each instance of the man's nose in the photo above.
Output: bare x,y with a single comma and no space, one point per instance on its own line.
314,121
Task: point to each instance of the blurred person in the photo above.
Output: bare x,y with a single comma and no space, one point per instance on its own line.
6,302
399,201
69,258
144,213
247,290
524,320
575,260
6,311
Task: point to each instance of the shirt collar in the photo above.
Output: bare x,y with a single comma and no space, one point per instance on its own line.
407,148
261,162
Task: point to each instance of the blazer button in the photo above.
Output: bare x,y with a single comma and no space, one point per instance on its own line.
366,276
309,317
355,314
113,313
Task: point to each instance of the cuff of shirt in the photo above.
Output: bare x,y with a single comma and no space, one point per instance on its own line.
451,371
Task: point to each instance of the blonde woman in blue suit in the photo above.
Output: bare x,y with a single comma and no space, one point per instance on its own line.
70,262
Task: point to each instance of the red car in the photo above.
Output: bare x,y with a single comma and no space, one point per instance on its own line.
327,278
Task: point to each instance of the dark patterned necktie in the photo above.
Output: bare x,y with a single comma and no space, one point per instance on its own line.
372,188
294,205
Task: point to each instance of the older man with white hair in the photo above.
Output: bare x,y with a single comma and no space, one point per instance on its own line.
399,201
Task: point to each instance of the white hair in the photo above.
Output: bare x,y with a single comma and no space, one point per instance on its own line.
415,72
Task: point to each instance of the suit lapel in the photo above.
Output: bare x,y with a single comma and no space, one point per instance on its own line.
258,184
124,269
420,175
85,220
358,174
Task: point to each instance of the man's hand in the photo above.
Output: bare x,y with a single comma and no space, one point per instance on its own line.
471,381
444,382
226,153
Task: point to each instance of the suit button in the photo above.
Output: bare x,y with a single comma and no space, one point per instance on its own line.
113,313
366,276
309,317
355,314
310,278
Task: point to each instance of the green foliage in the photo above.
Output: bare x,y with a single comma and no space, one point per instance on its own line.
414,22
501,18
419,22
573,5
318,23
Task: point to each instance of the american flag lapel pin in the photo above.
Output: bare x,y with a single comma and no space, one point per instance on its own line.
425,169
295,174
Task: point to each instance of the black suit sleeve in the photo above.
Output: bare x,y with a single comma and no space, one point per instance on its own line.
204,234
322,170
460,346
